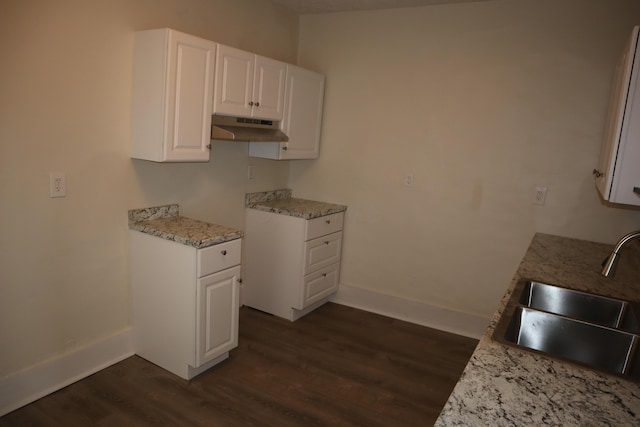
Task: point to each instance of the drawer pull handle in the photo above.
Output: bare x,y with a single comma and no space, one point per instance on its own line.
328,221
239,280
223,252
324,274
326,242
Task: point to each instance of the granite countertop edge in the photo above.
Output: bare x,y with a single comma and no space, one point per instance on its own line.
506,386
166,223
281,202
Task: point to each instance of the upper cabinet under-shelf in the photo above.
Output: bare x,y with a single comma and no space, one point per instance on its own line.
180,81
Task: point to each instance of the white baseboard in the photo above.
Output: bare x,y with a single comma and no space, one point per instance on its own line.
465,324
32,384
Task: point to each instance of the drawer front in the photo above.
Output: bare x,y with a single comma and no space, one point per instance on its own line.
218,257
320,284
322,252
324,225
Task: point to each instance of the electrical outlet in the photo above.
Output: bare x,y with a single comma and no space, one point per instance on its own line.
57,184
409,180
539,195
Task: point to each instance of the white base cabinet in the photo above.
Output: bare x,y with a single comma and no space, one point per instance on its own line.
185,302
292,264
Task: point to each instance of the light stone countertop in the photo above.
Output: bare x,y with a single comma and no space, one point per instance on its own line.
508,386
281,202
166,223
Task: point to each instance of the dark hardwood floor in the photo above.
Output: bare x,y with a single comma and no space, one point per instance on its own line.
338,366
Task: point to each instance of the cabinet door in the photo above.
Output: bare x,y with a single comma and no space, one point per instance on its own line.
191,68
625,188
304,98
234,82
217,314
268,88
172,96
302,119
621,149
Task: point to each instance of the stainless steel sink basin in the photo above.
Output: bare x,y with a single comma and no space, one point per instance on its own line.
599,347
595,331
585,306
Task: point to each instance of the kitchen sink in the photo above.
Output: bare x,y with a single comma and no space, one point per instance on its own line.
600,347
585,306
595,331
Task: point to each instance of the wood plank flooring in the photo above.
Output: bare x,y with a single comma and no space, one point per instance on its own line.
338,366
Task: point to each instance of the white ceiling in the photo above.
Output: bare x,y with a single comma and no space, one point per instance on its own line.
325,6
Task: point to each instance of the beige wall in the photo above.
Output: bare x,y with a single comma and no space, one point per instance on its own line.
482,102
65,94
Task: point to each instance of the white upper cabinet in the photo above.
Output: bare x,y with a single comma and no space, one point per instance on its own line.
173,80
304,98
302,121
248,85
180,80
618,174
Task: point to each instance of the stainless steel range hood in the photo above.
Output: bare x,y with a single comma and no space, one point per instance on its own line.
244,129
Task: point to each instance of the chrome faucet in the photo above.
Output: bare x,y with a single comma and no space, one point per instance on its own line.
610,263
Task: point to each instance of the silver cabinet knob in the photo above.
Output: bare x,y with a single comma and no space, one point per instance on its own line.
285,148
257,104
250,103
223,252
326,242
328,221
